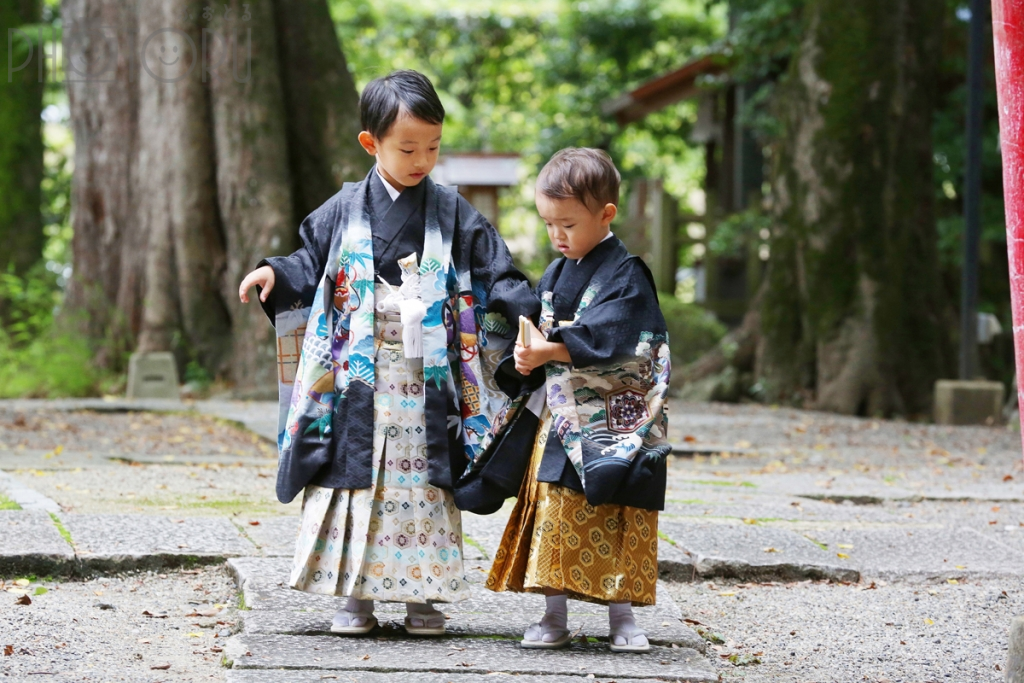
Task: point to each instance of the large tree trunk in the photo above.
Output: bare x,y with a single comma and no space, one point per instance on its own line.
104,298
217,163
853,316
21,141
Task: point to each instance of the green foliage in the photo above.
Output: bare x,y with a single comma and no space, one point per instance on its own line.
531,78
738,230
8,504
61,529
691,330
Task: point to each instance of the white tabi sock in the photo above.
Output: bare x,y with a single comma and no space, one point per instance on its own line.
355,613
554,624
622,628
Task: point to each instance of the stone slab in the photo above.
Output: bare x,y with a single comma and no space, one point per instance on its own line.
25,497
320,675
30,543
275,536
274,608
741,551
661,628
456,655
130,541
772,509
923,553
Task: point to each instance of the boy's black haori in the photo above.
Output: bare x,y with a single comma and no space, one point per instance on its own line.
610,414
483,295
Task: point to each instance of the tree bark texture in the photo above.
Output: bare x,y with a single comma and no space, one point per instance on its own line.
21,141
189,166
853,317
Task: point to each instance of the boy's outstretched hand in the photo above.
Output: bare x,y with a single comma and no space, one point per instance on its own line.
539,352
262,276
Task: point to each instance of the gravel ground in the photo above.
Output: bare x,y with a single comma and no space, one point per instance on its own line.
177,490
813,632
67,457
142,433
98,630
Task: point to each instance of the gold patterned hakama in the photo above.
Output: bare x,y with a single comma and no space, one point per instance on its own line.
556,539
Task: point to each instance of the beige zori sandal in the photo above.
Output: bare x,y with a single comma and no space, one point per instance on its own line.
628,638
424,620
541,637
353,623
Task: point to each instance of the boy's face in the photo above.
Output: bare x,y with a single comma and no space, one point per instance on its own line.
572,227
408,152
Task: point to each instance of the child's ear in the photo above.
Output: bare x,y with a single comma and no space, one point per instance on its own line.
608,214
368,142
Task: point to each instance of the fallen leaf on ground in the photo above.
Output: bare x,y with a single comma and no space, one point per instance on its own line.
749,520
161,667
161,615
689,439
727,594
144,641
846,546
929,622
254,523
193,635
8,650
22,582
1008,477
842,556
24,600
953,582
365,657
772,550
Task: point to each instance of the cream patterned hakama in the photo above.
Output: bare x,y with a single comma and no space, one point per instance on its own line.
401,539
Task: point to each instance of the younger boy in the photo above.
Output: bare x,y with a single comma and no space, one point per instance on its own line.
586,523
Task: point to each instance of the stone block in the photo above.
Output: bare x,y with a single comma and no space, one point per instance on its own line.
152,375
921,553
123,542
458,656
1015,654
754,552
968,402
30,543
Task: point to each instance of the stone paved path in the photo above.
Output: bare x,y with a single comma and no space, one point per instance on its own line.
756,495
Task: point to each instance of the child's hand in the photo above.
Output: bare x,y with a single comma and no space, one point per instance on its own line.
262,276
529,357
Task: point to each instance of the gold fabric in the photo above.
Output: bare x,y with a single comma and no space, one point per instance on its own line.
556,539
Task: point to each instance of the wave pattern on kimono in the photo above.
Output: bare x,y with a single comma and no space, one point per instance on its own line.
401,539
609,406
323,309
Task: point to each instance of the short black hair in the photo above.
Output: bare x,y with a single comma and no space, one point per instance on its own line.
383,98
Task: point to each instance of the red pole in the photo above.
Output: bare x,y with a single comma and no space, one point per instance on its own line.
1008,33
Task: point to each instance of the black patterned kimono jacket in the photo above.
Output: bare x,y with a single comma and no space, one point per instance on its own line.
609,406
321,306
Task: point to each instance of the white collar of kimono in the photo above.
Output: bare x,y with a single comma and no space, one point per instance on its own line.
392,192
606,237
